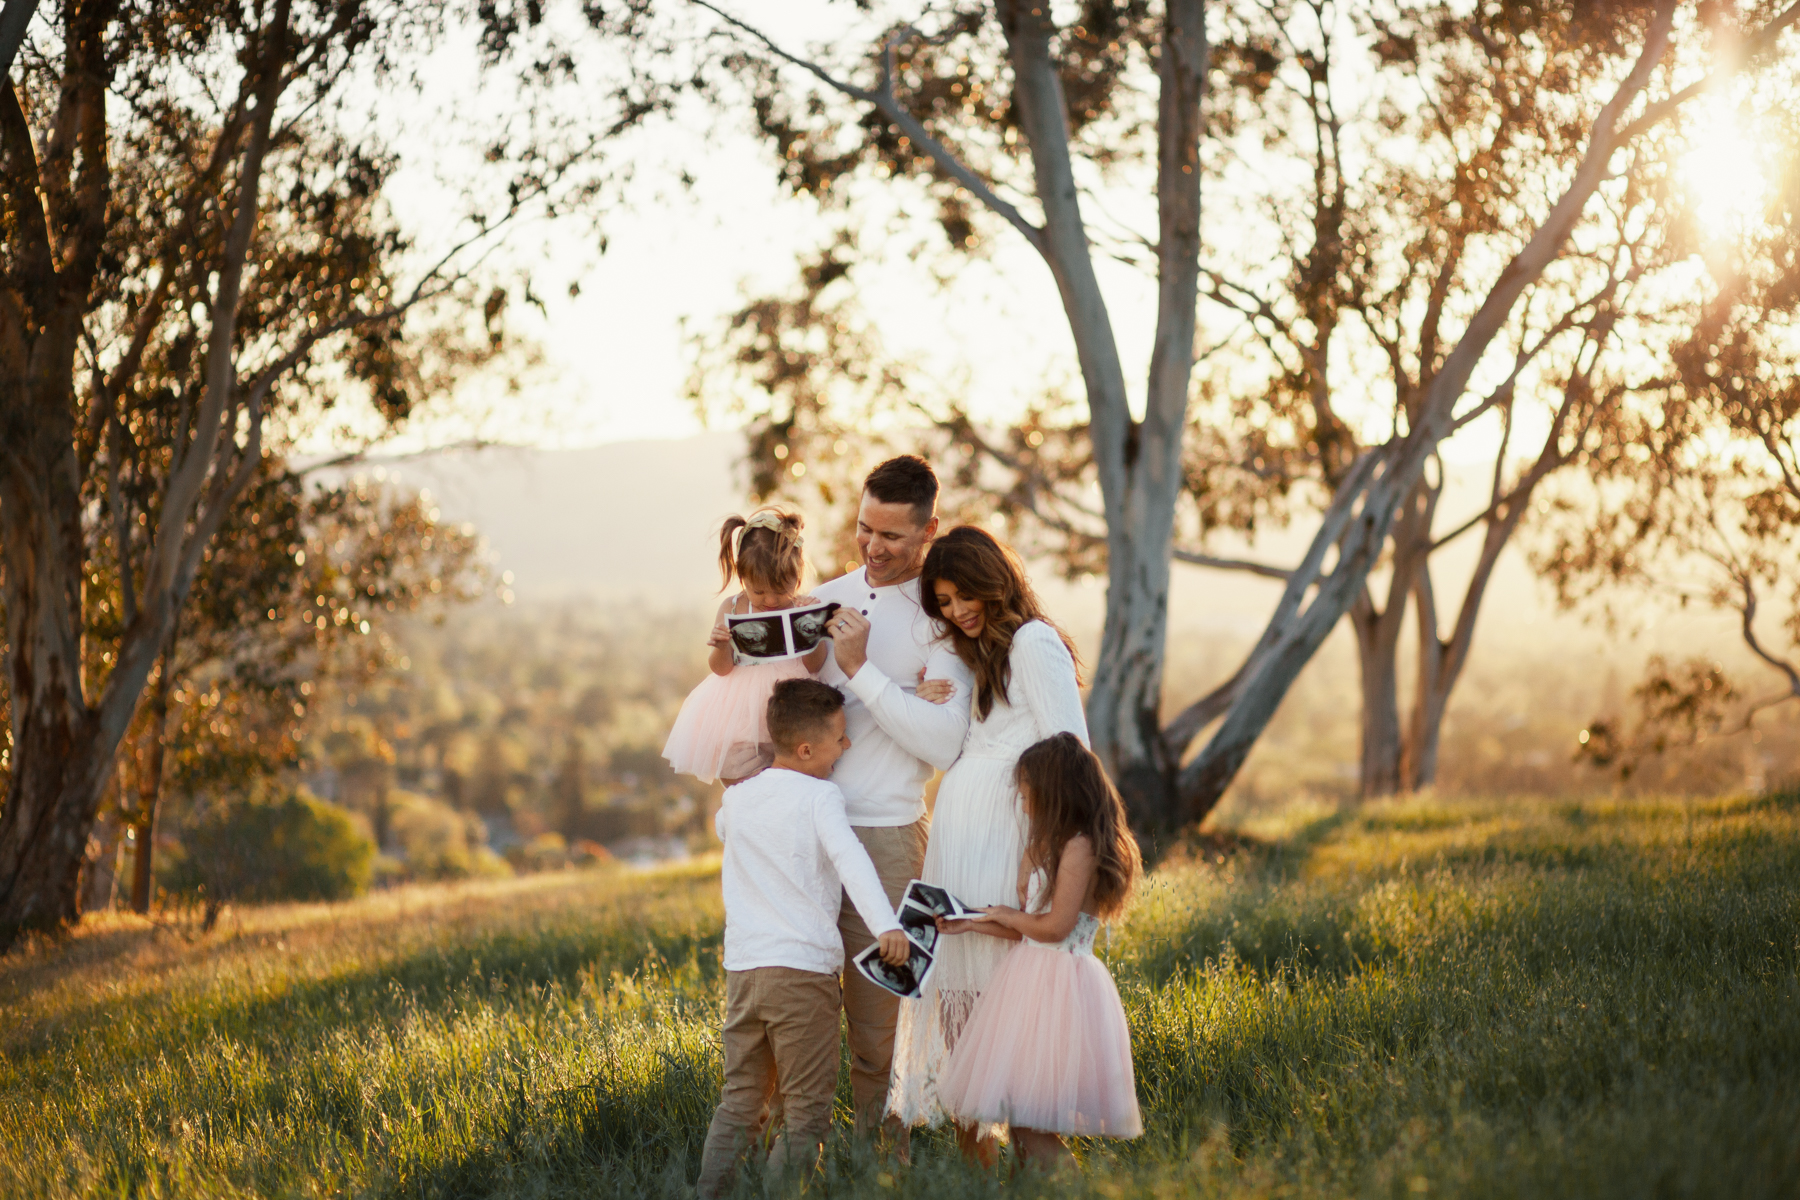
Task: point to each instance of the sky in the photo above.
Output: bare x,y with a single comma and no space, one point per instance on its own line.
617,357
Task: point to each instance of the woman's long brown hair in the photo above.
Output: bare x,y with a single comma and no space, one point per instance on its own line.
1067,794
981,568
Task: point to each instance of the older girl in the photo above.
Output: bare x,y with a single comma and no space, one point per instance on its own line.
1047,1050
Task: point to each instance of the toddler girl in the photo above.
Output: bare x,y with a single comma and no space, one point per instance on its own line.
722,731
1046,1049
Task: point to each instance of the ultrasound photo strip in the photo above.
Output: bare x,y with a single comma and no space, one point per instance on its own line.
907,980
783,633
934,899
920,925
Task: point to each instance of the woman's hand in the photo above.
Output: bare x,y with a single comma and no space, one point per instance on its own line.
938,691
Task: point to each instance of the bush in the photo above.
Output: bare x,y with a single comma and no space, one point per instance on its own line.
265,848
437,842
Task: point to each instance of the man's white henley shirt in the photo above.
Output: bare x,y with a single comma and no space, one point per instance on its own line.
895,737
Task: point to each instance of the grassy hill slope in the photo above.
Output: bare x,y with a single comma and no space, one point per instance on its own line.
1473,999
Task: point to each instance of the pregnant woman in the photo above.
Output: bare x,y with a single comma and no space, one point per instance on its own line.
1026,689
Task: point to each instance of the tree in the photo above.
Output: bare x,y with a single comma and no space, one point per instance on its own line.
1608,77
198,261
302,588
1706,511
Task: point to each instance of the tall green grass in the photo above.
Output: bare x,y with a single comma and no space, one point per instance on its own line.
1473,999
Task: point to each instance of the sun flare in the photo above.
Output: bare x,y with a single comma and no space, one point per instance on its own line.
1723,173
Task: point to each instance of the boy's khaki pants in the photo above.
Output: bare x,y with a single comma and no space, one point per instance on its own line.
781,1042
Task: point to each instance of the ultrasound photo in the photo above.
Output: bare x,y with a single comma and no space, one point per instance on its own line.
906,981
809,626
937,901
785,633
758,636
920,925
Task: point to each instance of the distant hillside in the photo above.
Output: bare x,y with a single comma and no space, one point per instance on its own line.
630,519
634,523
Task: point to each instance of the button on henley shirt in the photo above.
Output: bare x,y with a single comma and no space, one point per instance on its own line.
895,737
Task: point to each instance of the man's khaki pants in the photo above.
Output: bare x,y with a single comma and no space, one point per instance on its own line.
781,1040
870,1013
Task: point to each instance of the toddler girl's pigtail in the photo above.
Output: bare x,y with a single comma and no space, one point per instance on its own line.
728,566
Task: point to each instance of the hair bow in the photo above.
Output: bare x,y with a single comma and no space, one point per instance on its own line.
769,519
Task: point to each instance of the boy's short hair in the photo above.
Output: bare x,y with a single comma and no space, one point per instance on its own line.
907,479
800,708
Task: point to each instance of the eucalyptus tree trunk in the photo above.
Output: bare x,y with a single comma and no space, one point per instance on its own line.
1377,650
1139,463
1378,646
1442,659
150,779
64,745
100,873
58,767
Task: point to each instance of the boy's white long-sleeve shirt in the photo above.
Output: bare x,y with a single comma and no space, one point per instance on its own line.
790,856
895,737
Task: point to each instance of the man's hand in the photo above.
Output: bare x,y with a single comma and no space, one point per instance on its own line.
849,639
895,949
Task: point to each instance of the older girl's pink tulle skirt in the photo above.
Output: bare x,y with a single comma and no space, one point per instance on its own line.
1046,1048
722,731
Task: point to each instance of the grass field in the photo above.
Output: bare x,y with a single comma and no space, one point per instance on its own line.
1472,999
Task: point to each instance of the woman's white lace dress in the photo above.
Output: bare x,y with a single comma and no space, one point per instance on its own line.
977,840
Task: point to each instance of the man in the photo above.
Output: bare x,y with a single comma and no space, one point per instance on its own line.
883,644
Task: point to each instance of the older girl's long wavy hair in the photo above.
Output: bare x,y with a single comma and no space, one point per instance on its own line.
1067,794
981,568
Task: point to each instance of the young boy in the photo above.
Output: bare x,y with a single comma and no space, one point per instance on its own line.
789,857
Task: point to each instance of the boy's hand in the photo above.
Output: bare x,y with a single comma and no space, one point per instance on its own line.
895,949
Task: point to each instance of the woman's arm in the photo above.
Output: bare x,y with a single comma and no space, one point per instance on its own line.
720,641
1044,673
1073,877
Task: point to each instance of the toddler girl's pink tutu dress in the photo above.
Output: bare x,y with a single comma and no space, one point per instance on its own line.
722,731
1047,1046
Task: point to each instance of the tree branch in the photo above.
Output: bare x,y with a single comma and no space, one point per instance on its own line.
884,99
1198,559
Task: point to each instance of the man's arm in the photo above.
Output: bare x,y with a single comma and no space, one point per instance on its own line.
932,732
855,871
